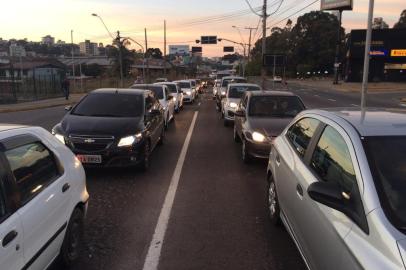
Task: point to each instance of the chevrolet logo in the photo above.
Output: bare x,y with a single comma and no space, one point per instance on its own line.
89,141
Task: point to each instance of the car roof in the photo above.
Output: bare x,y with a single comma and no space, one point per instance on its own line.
165,83
271,93
243,84
371,121
187,81
5,127
233,77
118,91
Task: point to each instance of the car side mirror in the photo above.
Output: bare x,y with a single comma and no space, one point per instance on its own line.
68,108
240,113
328,195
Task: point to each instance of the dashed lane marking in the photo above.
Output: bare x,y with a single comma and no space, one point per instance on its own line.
332,99
155,247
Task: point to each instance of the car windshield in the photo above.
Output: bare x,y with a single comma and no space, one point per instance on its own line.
227,81
275,106
110,105
172,88
238,91
387,161
158,90
184,84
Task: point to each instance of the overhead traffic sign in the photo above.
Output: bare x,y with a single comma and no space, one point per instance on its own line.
197,49
208,40
228,49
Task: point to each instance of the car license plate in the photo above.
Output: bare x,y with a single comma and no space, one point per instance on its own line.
95,159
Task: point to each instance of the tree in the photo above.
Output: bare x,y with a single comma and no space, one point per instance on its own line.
127,57
313,40
154,53
379,23
402,20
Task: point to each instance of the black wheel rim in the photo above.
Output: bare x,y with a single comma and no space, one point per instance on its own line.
272,200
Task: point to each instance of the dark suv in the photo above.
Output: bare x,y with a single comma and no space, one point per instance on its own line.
113,128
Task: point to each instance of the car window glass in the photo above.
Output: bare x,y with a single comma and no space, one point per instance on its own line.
110,105
332,162
301,133
184,84
3,211
33,167
238,91
275,106
172,88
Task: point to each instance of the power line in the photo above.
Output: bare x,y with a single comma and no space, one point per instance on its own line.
288,17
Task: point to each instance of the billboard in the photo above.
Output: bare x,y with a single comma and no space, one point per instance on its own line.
336,4
398,53
179,50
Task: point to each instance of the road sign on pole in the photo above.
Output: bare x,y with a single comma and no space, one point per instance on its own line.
228,49
208,40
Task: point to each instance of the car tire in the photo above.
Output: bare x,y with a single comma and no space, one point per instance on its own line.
226,123
166,123
145,163
73,241
162,137
235,135
273,203
245,156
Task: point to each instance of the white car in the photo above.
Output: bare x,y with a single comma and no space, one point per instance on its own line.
216,87
176,92
165,98
221,92
43,199
233,96
188,94
277,79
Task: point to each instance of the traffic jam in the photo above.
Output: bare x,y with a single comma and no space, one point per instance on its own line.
333,174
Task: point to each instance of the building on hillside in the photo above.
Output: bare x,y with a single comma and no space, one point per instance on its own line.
88,48
17,50
41,69
388,55
48,40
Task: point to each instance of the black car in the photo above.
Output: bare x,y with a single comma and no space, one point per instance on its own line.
260,117
113,128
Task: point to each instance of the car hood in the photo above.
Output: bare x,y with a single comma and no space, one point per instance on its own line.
84,125
271,126
235,100
186,89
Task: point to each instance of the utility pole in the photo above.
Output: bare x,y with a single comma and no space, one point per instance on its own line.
120,56
249,41
264,17
73,60
147,58
366,56
165,47
338,46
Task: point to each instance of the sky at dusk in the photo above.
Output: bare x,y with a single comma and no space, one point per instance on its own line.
186,20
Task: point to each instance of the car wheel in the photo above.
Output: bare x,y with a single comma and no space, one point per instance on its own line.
162,137
235,135
273,203
73,241
144,165
244,152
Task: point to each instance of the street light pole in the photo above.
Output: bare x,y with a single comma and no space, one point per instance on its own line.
366,56
264,17
249,41
73,60
338,46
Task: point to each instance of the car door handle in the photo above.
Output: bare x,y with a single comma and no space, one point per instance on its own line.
278,159
299,190
9,238
65,187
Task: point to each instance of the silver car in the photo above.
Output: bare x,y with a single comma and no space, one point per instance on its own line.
337,182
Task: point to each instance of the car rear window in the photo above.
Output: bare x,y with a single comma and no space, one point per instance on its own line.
275,106
157,89
238,91
110,105
184,84
172,88
227,81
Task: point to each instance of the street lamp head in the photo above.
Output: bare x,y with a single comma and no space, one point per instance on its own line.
95,15
234,26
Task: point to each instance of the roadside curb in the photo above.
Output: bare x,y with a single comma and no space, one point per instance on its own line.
19,107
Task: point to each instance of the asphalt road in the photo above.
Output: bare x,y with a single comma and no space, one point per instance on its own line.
218,218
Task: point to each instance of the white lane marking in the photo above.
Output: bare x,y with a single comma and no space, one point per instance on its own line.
316,95
198,104
332,99
355,105
154,251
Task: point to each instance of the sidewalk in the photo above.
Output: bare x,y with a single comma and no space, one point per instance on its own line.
40,104
351,87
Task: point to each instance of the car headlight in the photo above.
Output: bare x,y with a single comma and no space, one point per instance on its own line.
174,99
130,140
188,93
258,137
60,137
223,93
232,105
